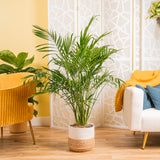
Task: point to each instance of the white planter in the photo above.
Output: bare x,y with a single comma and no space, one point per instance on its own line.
81,139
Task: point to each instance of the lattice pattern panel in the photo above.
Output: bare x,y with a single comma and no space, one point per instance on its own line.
61,19
137,34
150,40
118,20
86,9
116,16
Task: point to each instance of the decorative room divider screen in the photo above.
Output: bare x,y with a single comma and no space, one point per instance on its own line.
138,39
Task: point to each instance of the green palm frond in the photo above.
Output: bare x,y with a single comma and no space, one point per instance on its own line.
80,75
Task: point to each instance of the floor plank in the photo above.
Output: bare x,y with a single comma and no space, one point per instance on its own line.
111,143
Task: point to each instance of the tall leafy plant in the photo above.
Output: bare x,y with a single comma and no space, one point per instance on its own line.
80,75
19,63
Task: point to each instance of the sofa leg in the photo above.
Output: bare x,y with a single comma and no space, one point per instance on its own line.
1,132
134,132
145,140
30,125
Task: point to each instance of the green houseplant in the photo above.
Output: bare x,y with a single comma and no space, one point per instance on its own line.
14,64
80,75
155,11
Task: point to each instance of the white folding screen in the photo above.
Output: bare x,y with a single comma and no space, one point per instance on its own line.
117,17
138,39
150,36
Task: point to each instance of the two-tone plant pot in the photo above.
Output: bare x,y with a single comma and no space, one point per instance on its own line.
18,128
81,138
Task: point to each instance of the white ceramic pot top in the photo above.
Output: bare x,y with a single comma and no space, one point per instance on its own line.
81,133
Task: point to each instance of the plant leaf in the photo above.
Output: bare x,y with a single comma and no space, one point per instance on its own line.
31,70
28,61
4,68
79,74
21,57
39,32
8,56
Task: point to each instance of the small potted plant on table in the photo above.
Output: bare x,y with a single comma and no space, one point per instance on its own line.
79,78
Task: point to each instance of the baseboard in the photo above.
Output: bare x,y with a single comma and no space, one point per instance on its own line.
41,121
116,126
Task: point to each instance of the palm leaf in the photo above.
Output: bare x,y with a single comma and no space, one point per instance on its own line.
79,76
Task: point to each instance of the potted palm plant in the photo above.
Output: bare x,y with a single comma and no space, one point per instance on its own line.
155,11
14,64
78,78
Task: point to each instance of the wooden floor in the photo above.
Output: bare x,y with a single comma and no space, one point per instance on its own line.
52,144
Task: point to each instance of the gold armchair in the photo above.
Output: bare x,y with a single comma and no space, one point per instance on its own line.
14,106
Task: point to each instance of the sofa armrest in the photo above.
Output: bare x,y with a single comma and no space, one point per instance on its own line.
133,107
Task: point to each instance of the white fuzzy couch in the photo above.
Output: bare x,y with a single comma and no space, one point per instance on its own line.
135,117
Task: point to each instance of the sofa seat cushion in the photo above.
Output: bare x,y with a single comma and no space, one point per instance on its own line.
150,120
